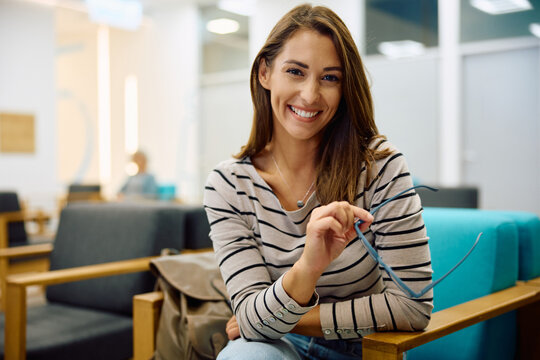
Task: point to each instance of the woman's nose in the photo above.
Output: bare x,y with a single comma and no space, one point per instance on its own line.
310,91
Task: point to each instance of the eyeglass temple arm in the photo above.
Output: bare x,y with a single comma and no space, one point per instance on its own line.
396,278
376,208
388,269
433,284
430,286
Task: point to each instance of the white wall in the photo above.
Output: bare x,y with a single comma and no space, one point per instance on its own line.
407,109
27,85
502,127
226,116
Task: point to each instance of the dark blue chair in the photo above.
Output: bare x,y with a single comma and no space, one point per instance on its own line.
91,318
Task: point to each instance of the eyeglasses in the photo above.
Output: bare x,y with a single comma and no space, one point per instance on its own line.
387,268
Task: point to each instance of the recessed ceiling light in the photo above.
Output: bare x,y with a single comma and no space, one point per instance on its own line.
222,26
125,14
240,7
497,7
401,49
534,28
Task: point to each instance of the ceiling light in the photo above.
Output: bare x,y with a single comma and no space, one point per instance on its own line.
240,7
497,7
125,14
534,28
222,26
401,49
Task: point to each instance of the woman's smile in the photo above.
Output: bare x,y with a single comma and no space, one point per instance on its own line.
304,115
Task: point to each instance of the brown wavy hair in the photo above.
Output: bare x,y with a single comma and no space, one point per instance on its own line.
344,147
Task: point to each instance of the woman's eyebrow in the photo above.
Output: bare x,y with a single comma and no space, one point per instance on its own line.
305,66
295,62
333,68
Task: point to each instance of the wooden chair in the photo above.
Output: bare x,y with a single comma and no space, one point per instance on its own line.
98,263
16,315
14,239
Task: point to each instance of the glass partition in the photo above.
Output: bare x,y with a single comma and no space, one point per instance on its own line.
488,20
414,21
225,40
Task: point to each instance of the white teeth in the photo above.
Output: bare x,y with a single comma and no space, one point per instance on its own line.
303,113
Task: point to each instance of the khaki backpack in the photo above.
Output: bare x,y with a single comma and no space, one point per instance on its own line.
195,308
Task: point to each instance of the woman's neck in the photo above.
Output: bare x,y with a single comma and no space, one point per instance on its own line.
290,171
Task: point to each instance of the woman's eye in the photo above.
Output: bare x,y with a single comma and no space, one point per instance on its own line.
332,78
294,71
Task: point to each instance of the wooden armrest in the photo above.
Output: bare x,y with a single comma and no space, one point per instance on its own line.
154,299
391,345
25,251
81,273
533,282
146,311
11,216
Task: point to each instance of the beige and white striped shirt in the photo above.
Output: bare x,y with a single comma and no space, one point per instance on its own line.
256,241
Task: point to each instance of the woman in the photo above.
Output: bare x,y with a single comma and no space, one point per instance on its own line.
282,211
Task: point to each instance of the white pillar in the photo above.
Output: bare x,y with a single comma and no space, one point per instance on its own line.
450,171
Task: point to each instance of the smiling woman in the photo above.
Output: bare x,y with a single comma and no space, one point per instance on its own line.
282,211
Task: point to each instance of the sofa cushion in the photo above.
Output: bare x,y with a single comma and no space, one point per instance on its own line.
64,332
528,225
197,228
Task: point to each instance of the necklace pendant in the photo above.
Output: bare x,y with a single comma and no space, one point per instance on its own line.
300,204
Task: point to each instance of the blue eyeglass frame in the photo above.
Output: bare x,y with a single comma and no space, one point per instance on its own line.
387,268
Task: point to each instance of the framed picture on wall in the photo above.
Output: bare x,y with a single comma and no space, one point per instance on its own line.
17,133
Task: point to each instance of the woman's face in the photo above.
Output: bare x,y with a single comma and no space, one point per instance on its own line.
304,81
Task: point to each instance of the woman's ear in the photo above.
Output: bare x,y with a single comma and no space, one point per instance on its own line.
264,74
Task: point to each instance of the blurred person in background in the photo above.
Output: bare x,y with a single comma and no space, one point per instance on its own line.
140,184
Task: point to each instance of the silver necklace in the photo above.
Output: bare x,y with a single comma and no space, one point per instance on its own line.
299,203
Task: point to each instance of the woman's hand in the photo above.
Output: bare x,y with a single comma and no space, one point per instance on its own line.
329,230
232,329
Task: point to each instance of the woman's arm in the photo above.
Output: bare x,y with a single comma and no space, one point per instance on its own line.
399,235
263,310
310,323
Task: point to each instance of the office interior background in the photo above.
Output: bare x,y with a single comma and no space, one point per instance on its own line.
456,86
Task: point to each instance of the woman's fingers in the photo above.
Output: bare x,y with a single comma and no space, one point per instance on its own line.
363,215
322,226
232,329
345,214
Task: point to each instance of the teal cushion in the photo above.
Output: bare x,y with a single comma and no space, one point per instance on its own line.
492,266
529,242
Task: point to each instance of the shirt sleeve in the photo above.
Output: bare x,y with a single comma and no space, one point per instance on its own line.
262,308
400,239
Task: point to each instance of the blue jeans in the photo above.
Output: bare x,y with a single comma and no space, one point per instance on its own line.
292,347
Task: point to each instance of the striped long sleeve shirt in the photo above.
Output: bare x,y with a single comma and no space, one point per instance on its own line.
256,242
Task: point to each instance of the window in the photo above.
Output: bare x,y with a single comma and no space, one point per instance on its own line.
225,46
399,20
